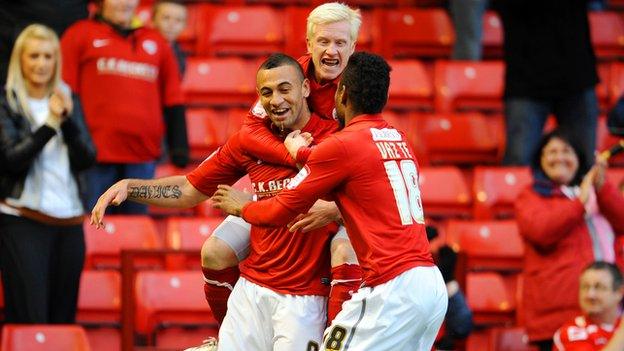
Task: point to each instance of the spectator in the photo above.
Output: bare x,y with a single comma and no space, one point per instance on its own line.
567,219
458,318
127,79
44,144
170,20
468,21
600,326
550,68
16,15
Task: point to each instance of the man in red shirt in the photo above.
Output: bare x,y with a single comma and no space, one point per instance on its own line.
280,301
332,30
369,169
127,80
600,328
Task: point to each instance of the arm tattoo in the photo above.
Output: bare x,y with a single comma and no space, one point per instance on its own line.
155,192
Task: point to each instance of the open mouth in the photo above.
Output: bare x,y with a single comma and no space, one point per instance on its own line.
280,112
330,62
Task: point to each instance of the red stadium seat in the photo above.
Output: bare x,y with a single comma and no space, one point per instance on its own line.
189,233
121,232
492,39
249,31
468,85
99,304
616,176
207,129
607,34
602,88
467,138
510,339
616,82
219,82
491,297
171,305
414,33
479,340
410,86
296,31
44,338
444,192
495,190
489,245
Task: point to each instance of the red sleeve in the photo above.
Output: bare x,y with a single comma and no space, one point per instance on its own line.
572,338
611,204
325,169
262,143
71,52
221,167
170,84
545,221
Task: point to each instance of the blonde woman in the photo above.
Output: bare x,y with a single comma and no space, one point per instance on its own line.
44,144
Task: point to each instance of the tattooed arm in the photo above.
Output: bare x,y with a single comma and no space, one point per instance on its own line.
174,191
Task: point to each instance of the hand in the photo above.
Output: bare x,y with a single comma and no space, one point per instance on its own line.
600,167
115,195
230,200
296,140
60,105
321,214
586,185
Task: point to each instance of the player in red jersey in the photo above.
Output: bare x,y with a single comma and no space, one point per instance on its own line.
369,169
332,32
280,301
600,327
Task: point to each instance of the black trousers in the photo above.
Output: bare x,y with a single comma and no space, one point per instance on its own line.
41,267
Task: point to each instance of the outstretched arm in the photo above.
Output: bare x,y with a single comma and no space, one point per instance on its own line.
175,191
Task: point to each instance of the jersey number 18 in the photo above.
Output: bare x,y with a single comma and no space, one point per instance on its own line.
403,177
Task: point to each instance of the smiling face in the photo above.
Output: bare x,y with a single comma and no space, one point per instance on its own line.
559,161
282,93
597,296
38,61
170,20
330,46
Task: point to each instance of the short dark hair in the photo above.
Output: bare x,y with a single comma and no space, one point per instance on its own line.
536,162
366,80
615,272
278,60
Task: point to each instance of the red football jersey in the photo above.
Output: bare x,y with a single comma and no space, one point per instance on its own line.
289,263
370,170
265,144
583,335
123,82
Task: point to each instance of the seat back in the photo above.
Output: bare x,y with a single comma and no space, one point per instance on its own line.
495,190
99,298
444,192
44,338
410,86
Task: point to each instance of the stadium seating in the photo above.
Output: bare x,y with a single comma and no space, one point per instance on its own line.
607,34
616,176
616,82
413,33
189,233
468,138
495,190
207,129
103,246
492,39
171,309
220,82
468,85
410,86
605,140
491,297
509,339
488,245
99,303
444,192
44,338
243,31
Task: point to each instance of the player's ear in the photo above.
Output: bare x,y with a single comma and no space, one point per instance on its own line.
342,95
305,88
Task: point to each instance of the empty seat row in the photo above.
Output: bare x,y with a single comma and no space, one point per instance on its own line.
444,86
255,30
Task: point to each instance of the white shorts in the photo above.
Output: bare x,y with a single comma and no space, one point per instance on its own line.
404,313
234,231
262,319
